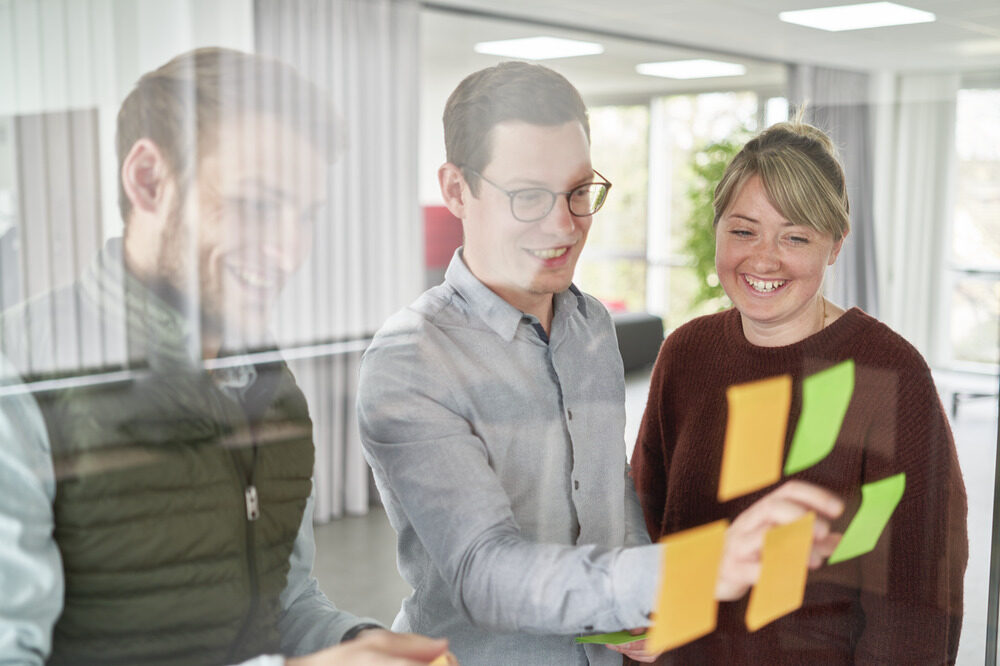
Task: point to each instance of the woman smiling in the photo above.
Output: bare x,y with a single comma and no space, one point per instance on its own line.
781,217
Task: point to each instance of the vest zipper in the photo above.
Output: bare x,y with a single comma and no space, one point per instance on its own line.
252,506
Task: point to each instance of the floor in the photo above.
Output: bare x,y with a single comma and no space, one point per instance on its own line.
356,558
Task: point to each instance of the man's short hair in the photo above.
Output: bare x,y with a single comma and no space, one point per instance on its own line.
508,91
180,106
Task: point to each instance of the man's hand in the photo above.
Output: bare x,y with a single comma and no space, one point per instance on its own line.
379,647
740,565
637,649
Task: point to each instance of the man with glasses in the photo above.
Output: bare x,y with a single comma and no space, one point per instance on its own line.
492,409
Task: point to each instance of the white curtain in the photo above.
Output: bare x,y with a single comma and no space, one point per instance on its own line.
367,260
838,102
923,172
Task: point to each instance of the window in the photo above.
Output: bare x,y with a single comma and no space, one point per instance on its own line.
613,266
636,257
973,274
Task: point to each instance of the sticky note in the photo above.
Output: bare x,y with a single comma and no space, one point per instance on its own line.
614,638
825,397
443,660
784,567
878,500
686,608
755,435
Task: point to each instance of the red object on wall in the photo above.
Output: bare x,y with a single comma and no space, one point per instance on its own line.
442,236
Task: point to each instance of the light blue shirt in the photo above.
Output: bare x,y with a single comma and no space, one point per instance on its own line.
500,458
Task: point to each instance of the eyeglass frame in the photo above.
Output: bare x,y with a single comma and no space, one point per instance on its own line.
555,195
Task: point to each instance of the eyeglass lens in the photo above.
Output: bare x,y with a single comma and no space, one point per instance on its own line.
535,203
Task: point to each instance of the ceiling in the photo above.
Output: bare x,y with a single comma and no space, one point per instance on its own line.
965,38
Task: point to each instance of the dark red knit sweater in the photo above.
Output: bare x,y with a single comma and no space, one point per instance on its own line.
899,604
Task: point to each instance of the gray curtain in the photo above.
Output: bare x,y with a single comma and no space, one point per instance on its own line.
838,102
367,257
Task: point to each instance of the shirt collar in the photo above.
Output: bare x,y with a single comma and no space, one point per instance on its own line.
498,314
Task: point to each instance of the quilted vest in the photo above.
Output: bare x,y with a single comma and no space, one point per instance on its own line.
158,481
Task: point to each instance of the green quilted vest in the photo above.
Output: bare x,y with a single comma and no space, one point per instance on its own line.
163,562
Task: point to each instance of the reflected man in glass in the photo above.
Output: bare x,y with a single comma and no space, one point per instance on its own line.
178,481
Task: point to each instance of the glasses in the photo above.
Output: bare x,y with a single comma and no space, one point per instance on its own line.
533,203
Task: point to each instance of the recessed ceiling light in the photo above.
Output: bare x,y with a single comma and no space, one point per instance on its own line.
691,69
856,17
539,48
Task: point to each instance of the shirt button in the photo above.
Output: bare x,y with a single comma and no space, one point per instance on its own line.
576,484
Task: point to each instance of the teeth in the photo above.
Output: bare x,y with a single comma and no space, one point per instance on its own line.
764,285
549,254
256,279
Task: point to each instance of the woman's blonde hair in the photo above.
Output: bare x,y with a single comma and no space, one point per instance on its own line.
798,167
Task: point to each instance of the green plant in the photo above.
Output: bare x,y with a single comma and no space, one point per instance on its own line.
708,163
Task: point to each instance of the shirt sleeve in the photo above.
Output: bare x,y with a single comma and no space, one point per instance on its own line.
636,533
31,578
310,621
434,469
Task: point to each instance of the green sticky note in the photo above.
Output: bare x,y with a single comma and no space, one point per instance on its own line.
614,638
878,500
825,397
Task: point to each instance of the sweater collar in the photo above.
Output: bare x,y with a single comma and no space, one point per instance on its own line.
847,325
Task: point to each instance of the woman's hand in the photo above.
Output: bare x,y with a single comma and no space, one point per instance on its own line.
635,650
740,567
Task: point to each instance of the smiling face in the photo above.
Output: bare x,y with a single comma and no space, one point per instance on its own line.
248,220
771,268
526,263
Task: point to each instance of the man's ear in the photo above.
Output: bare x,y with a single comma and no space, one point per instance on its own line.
454,189
145,176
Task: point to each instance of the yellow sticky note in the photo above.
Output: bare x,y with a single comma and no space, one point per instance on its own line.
443,660
755,435
784,567
686,608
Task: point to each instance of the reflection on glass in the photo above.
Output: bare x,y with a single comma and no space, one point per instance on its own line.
975,313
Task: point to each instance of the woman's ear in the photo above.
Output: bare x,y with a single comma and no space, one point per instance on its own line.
145,174
453,189
836,250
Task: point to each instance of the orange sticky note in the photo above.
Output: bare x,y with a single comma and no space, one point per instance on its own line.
686,608
784,566
755,435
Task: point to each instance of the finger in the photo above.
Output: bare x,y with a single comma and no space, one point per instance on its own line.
643,657
782,511
634,651
822,549
765,513
811,496
624,648
735,580
828,544
821,529
410,646
744,547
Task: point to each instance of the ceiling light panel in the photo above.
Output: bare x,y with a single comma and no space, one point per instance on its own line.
539,48
691,69
857,17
